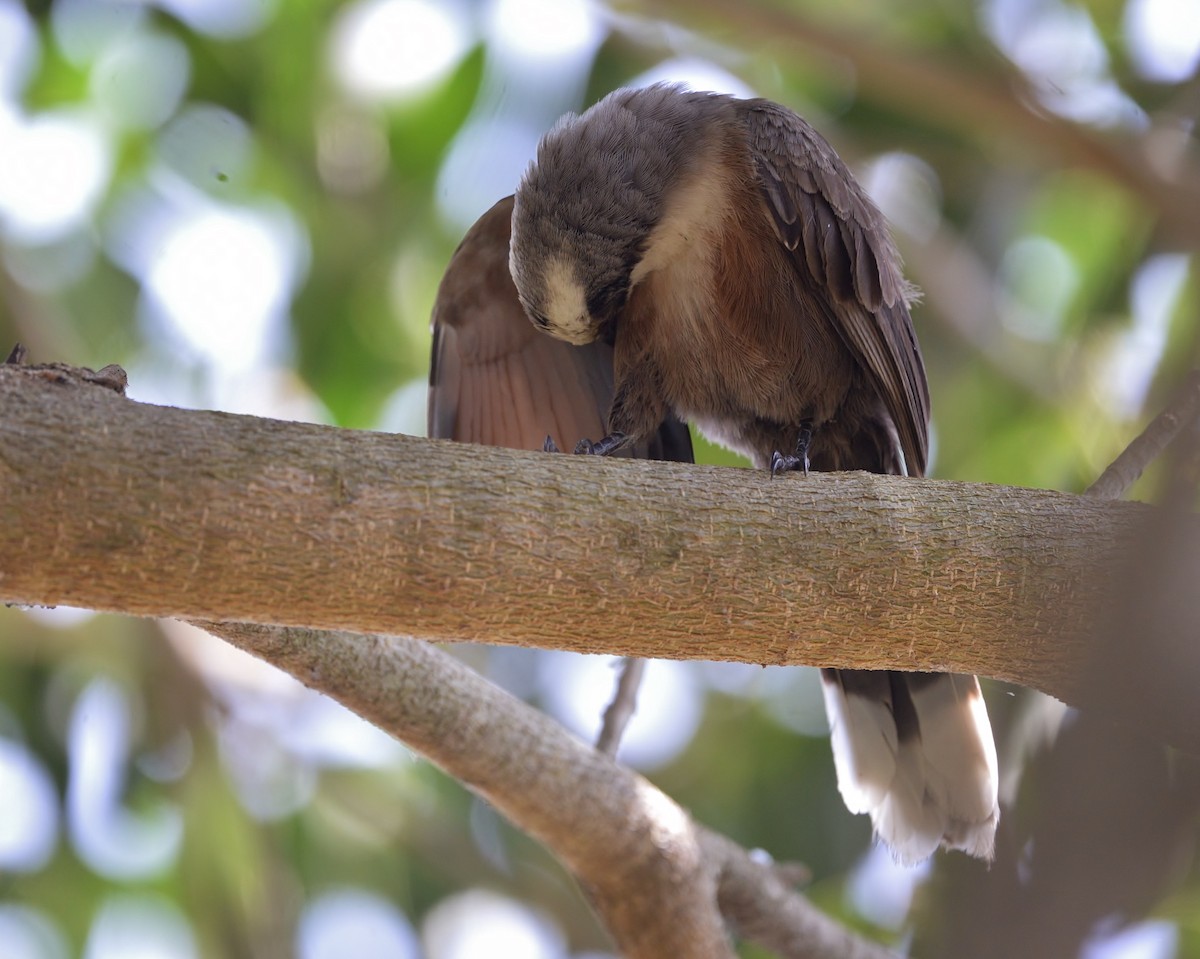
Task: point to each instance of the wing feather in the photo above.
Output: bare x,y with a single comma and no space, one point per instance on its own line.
812,201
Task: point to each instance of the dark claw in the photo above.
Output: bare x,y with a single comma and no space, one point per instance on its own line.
550,446
798,460
784,464
609,444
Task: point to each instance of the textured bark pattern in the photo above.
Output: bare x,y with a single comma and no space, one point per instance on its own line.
636,849
654,875
115,505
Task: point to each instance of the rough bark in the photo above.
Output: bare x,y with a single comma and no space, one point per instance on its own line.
115,505
653,874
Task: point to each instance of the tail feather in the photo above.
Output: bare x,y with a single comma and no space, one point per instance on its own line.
863,736
915,751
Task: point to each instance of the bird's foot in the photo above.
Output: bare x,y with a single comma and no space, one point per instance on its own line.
609,444
550,446
781,463
784,464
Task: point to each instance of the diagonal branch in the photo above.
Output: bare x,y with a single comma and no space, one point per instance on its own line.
1182,412
651,872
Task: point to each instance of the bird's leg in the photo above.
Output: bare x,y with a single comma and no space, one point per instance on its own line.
797,460
636,412
602,447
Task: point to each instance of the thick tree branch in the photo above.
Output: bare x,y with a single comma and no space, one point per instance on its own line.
120,506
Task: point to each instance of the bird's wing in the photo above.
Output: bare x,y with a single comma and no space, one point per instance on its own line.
840,240
497,380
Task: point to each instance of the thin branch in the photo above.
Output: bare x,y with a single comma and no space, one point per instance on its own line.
1182,412
1150,639
764,910
651,872
624,703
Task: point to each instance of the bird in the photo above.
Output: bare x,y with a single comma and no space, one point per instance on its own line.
746,284
496,381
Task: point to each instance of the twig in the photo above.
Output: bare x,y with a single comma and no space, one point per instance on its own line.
624,703
1124,471
758,903
111,377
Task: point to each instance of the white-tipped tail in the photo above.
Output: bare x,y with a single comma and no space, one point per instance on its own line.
915,751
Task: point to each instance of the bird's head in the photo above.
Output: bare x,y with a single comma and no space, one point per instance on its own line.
587,205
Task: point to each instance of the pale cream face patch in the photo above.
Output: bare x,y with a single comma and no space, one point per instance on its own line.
566,305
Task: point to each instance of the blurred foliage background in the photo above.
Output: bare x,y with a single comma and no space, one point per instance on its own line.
248,204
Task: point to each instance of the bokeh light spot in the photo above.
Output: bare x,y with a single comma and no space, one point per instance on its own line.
1164,38
1040,279
208,145
882,889
228,19
139,927
1152,939
53,170
353,922
544,29
19,48
908,191
388,48
139,82
114,841
695,73
223,280
29,804
26,933
1135,355
483,925
82,29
